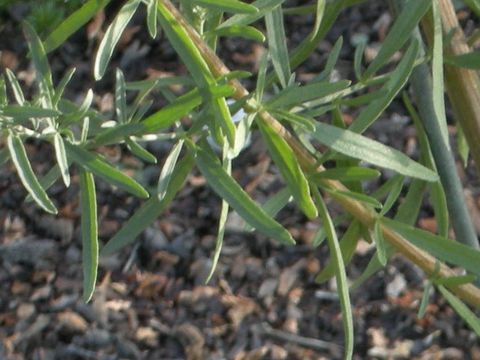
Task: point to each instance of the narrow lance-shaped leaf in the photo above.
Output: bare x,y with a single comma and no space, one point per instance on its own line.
394,193
167,170
470,60
27,111
296,95
468,315
346,174
362,148
227,165
277,44
246,32
380,242
27,176
442,248
264,7
111,37
40,61
320,10
72,23
422,309
273,205
407,213
16,88
287,163
120,97
392,87
348,244
340,274
89,227
438,87
400,32
62,85
232,6
150,211
152,17
229,190
61,156
140,151
95,164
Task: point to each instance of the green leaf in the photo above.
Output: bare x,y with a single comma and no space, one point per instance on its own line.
455,280
16,88
246,32
150,211
394,193
264,7
352,194
152,17
289,167
62,85
365,149
61,156
111,37
227,166
400,32
27,111
95,164
440,209
340,275
442,248
26,174
380,242
438,86
422,309
347,174
115,134
277,44
89,227
186,49
231,6
395,83
320,11
273,205
72,23
40,61
3,91
229,190
468,315
297,95
261,76
167,170
80,111
470,60
358,57
305,122
140,152
120,97
348,244
332,60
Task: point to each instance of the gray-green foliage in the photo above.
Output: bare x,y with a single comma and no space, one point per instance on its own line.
76,131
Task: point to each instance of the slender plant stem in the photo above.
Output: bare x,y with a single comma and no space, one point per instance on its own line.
462,85
421,81
425,261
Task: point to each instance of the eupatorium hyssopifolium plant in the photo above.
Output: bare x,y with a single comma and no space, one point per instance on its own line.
291,122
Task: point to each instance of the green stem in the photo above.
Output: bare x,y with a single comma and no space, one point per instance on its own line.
421,82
